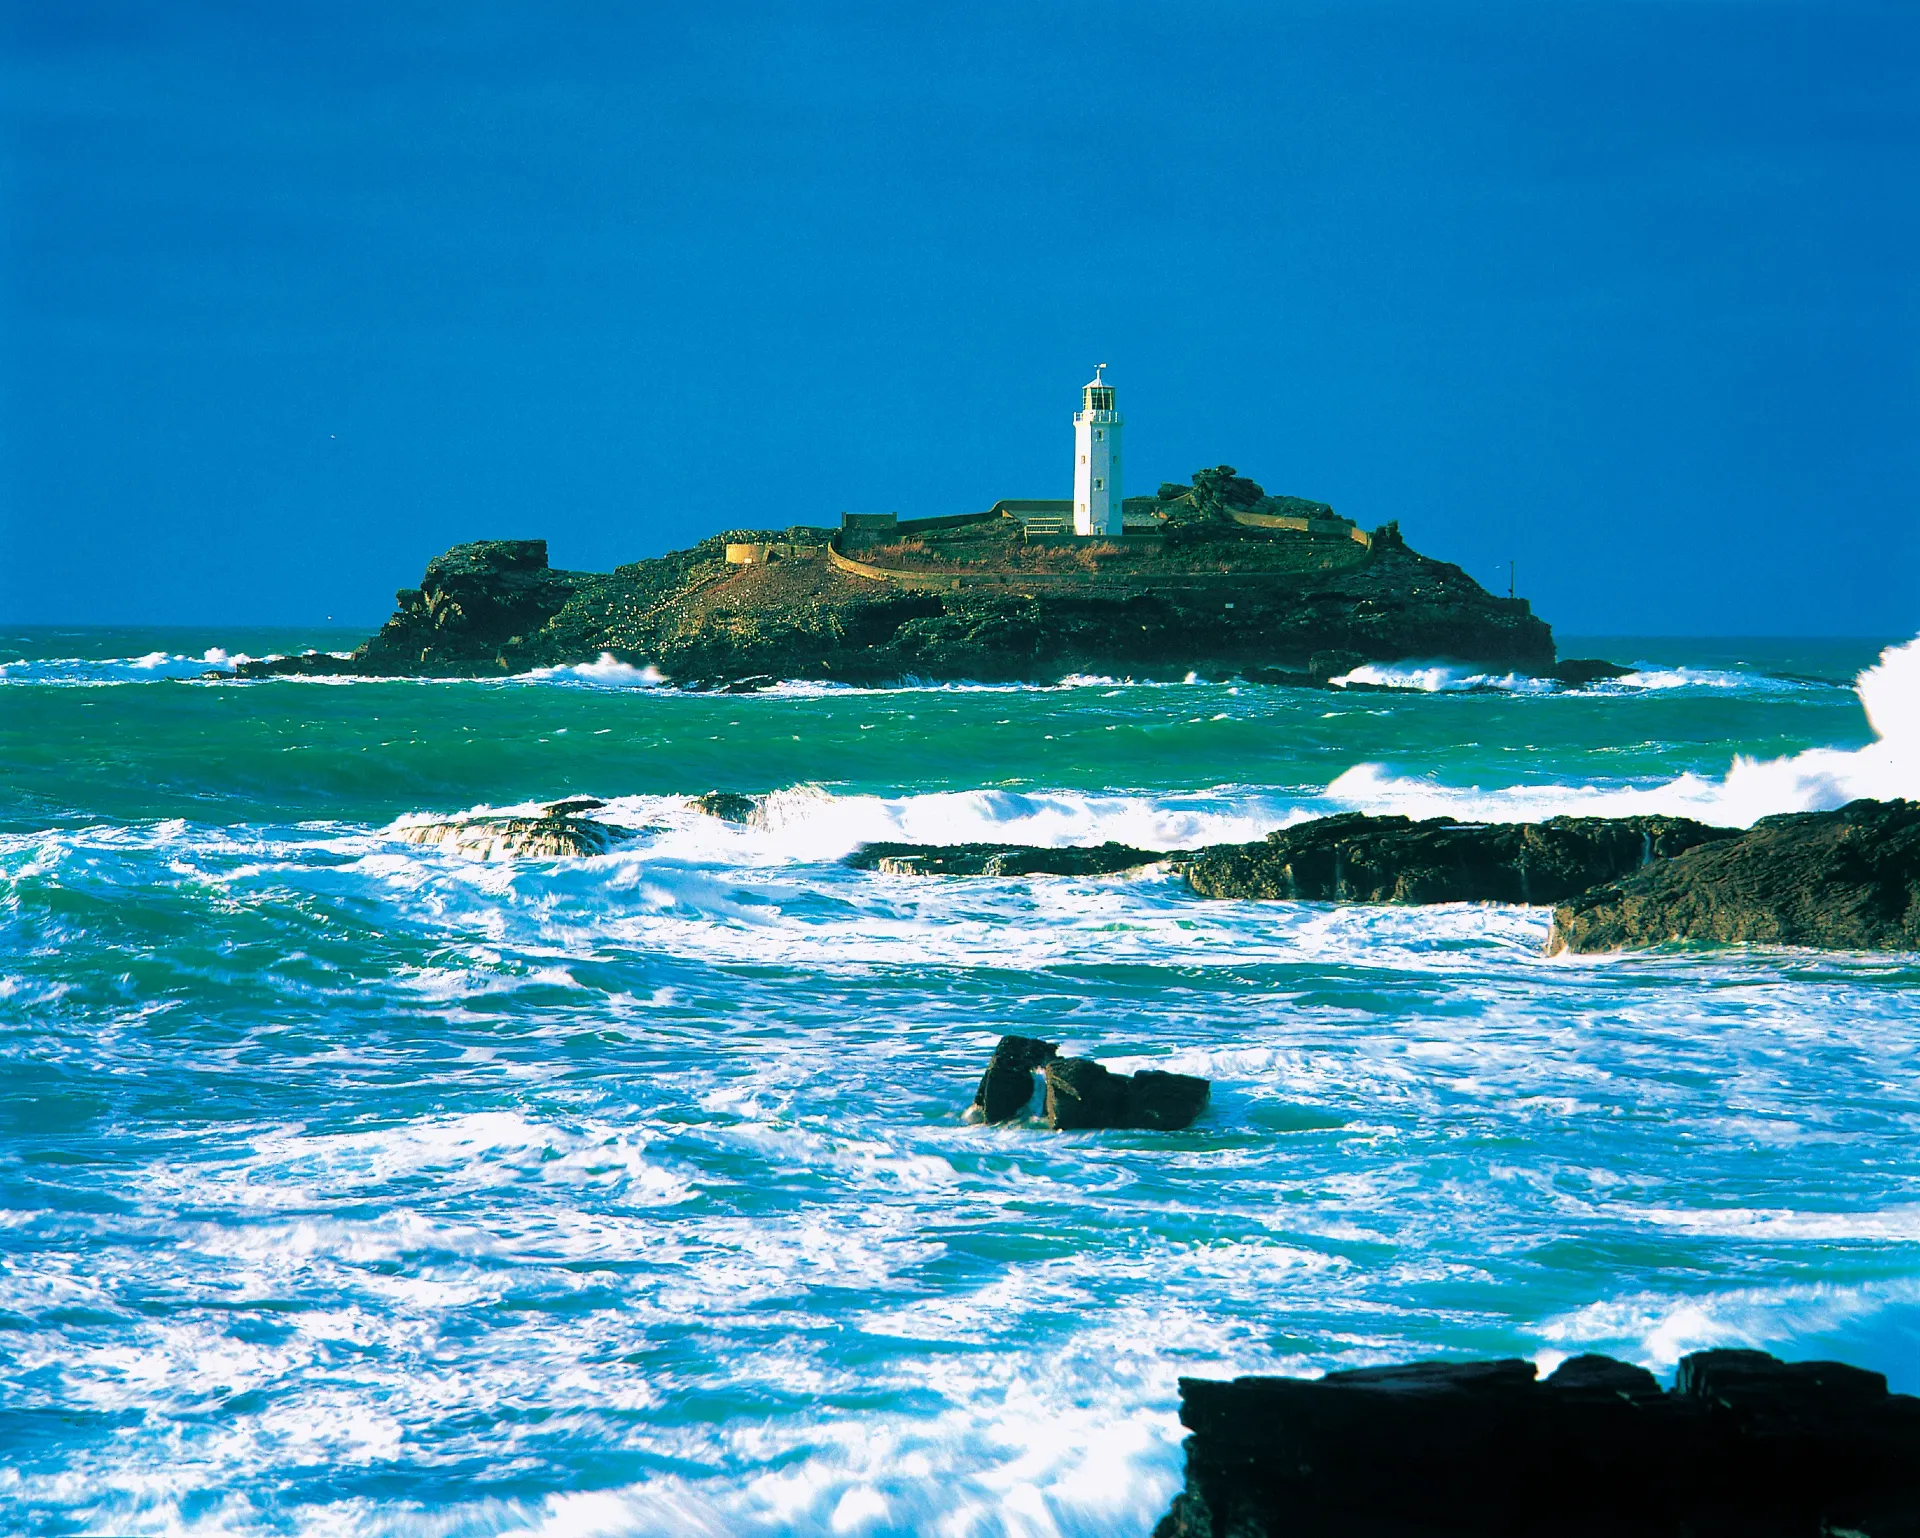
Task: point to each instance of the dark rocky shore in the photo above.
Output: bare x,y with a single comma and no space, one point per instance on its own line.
1206,597
1845,880
1743,1446
1356,858
1842,880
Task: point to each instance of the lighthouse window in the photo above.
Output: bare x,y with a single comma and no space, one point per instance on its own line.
1098,434
1098,484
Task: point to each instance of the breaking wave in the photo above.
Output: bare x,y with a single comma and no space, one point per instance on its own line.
117,670
1818,779
808,824
608,672
1454,678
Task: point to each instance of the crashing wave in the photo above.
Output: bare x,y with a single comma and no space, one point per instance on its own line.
1818,779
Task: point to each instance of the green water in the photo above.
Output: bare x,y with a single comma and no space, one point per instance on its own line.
347,1186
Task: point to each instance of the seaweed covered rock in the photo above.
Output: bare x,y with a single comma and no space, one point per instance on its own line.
1353,857
557,834
1578,672
1844,880
1744,1446
999,859
727,805
1083,1095
1006,1088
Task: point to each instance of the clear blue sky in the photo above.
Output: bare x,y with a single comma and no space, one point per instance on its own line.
293,296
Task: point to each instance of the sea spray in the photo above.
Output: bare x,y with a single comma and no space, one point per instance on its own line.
1817,779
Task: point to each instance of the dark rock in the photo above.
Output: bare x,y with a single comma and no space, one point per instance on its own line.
1083,1095
1007,1086
1601,1377
1578,672
573,807
1356,858
1165,1102
1845,880
475,604
1745,1446
1322,666
999,859
727,805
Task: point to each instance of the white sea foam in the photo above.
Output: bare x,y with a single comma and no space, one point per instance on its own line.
1441,678
1718,679
808,824
608,672
1453,678
1818,779
1657,1330
84,671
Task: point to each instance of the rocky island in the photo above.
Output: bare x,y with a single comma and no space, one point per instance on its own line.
1214,577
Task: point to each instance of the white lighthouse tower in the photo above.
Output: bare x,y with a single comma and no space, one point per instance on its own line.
1096,460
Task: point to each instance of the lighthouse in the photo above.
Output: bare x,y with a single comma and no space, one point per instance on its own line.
1096,459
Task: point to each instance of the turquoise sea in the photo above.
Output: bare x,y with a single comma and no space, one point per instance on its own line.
353,1188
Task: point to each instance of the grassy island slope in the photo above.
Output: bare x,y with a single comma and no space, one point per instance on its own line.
981,598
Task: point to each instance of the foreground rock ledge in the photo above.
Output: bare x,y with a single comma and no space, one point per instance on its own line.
1744,1446
1353,857
1845,880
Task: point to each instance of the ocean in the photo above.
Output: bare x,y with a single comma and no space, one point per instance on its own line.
353,1188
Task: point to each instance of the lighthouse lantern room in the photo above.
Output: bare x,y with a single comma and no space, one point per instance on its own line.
1096,460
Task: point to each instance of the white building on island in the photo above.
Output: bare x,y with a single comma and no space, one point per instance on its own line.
1096,460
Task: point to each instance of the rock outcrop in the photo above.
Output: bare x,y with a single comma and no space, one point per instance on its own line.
1084,1096
1006,1089
1356,858
558,832
1000,859
1845,880
474,606
1578,672
727,805
1744,1446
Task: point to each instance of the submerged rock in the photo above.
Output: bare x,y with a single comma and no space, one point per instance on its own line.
1356,858
507,838
1007,1086
572,808
727,805
1845,880
1082,1095
1745,1446
1578,672
1000,859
